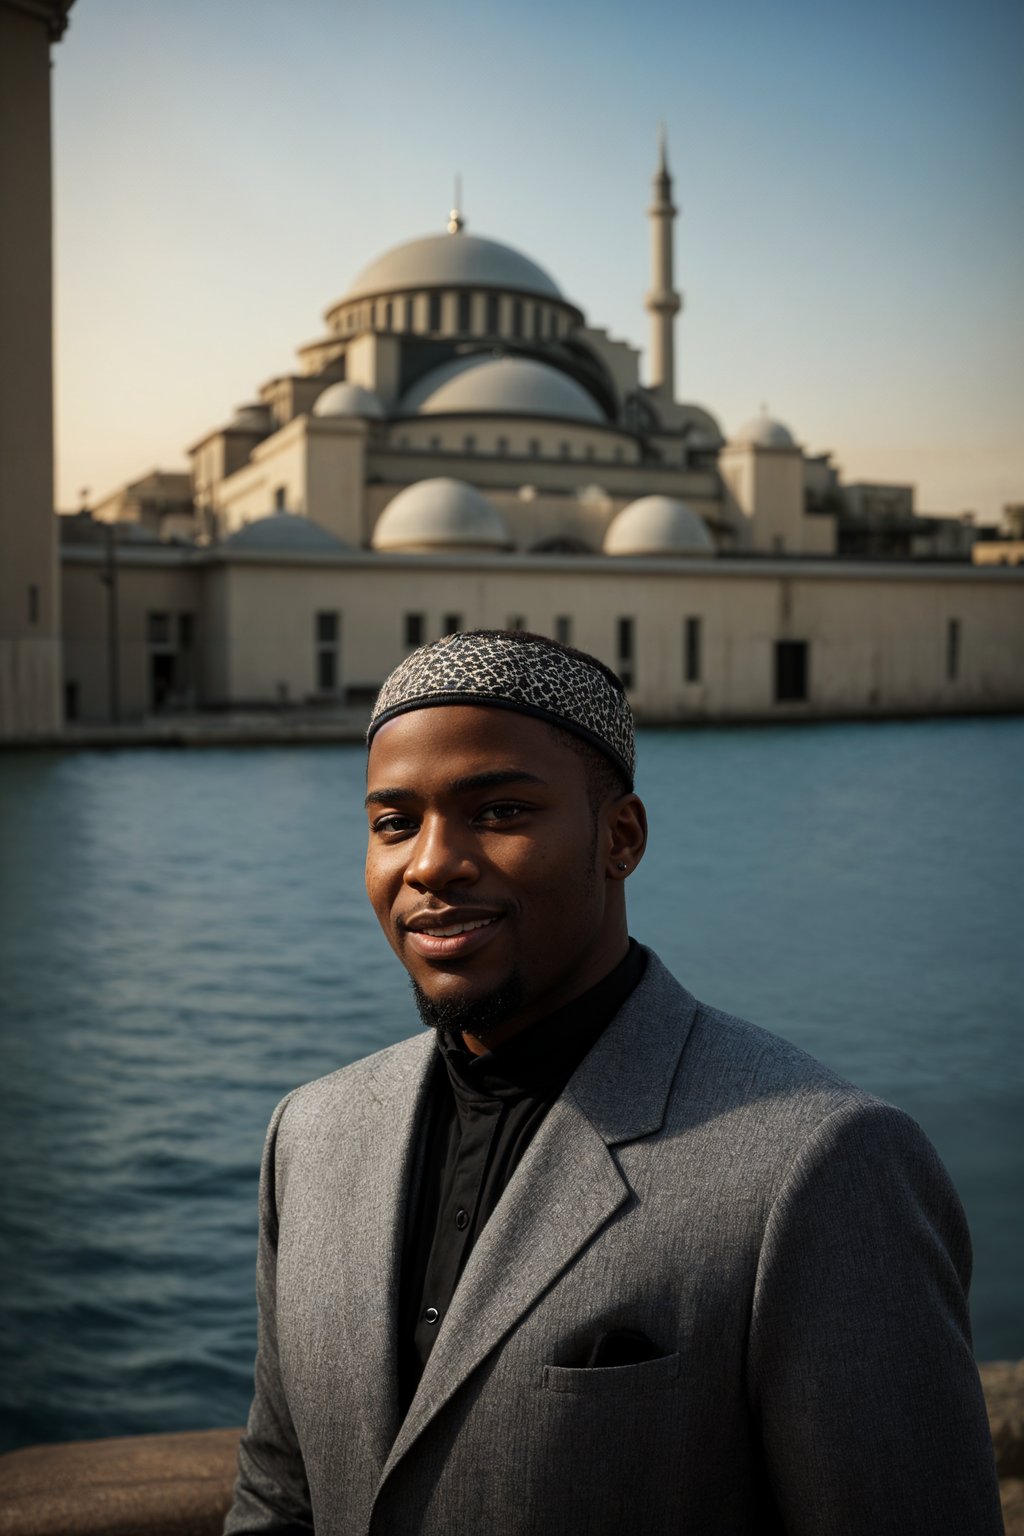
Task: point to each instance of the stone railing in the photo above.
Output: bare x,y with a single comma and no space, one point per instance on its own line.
180,1485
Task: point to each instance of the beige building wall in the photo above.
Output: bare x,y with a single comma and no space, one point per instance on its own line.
317,467
30,678
375,362
887,640
877,642
148,582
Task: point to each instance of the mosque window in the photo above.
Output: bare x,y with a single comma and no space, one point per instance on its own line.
158,628
280,498
565,451
452,624
502,445
563,629
327,631
33,604
408,317
389,314
952,650
435,443
617,455
517,317
493,314
538,321
535,447
691,650
625,645
552,322
469,443
434,312
186,631
588,452
790,671
415,629
465,312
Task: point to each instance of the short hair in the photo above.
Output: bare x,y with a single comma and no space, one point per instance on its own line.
604,780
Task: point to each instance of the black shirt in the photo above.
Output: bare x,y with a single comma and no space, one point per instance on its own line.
480,1115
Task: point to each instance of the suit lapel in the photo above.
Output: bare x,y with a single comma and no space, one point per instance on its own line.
567,1187
379,1200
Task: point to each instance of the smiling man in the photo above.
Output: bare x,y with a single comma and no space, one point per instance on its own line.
589,1256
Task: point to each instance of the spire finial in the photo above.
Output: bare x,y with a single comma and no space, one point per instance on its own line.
662,149
456,223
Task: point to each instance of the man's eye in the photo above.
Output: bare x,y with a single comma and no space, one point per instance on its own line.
505,810
393,822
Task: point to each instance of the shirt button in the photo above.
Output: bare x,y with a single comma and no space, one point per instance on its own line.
431,1315
461,1219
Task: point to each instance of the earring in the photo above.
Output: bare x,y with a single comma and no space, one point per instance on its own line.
623,866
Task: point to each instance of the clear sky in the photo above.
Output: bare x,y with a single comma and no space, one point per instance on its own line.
850,178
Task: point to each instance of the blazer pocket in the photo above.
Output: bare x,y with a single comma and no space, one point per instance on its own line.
612,1380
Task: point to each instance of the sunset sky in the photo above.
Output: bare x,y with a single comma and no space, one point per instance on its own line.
850,178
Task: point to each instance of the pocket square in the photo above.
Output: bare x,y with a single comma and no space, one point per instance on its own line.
621,1346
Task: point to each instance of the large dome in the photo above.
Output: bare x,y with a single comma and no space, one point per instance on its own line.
500,386
763,432
658,525
434,515
452,261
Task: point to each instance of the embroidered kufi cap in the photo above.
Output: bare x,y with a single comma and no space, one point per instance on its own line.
518,671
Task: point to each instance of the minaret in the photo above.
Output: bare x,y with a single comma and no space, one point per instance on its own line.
662,302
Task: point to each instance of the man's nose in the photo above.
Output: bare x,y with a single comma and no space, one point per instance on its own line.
443,853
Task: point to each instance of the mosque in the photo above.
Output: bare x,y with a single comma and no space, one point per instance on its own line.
460,402
461,447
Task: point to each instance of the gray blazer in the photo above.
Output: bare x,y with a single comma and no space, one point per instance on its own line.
791,1246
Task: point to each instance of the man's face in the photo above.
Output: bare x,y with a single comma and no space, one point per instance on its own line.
484,867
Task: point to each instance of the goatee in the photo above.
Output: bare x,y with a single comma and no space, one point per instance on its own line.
474,1016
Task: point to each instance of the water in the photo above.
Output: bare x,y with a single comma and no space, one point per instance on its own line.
183,937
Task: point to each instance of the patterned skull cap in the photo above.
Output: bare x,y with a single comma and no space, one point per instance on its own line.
515,670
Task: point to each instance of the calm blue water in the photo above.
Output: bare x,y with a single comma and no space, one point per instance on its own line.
183,937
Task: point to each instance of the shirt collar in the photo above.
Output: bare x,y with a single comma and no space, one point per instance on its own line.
544,1056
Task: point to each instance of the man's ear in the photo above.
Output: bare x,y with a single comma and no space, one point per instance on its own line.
625,823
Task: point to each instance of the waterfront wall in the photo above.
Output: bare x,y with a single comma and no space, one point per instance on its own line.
180,1485
694,640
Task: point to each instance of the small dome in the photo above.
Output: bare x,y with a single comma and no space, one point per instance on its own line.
440,514
500,386
763,432
658,525
452,261
254,417
283,530
345,399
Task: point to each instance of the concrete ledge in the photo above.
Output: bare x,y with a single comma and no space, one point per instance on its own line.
149,1485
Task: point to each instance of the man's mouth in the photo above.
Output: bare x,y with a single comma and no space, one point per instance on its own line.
442,936
452,929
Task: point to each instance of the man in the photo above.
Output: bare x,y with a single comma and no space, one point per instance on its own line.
593,1258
